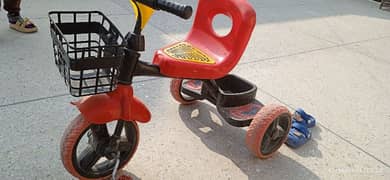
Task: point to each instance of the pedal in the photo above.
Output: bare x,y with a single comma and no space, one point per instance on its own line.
240,116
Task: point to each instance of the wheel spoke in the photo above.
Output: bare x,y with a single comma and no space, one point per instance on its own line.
266,143
124,145
280,131
100,131
88,158
275,124
118,128
108,164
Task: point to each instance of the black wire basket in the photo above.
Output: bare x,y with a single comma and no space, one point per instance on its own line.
88,51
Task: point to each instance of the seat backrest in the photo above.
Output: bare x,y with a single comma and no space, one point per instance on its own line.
230,47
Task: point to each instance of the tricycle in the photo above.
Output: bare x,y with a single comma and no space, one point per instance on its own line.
99,63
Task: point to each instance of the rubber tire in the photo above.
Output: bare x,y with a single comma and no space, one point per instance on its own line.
259,126
175,89
69,142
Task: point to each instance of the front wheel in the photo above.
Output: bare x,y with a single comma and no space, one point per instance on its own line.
88,150
268,130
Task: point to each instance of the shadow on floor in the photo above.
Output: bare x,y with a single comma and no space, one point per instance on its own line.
230,142
310,149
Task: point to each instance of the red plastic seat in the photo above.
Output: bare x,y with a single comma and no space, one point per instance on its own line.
204,54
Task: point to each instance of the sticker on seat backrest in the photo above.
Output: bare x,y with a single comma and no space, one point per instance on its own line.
187,52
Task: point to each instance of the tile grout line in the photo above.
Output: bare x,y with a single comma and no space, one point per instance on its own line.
58,95
331,131
313,50
355,146
32,100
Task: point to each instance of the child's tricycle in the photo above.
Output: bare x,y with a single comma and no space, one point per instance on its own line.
96,60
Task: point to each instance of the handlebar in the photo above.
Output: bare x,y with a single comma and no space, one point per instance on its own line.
183,11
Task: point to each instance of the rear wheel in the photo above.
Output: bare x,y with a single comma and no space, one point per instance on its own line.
176,89
88,150
268,130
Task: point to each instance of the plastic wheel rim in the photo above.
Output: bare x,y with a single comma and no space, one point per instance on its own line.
275,134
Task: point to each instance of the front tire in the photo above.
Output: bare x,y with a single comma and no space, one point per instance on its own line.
94,161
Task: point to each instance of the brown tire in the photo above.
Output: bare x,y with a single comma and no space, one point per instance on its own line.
70,140
268,130
175,88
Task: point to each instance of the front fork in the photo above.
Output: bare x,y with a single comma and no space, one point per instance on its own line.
118,105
